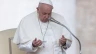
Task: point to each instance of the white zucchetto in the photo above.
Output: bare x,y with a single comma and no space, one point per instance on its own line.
49,2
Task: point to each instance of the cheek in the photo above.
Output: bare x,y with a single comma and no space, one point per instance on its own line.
41,16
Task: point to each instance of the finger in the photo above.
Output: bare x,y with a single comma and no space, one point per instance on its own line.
60,41
63,41
63,36
38,43
34,44
35,39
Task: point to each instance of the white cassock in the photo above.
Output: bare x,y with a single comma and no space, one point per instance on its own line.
30,28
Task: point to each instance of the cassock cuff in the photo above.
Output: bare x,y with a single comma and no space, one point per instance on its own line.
67,44
28,47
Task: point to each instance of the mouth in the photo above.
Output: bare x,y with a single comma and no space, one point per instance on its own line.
45,20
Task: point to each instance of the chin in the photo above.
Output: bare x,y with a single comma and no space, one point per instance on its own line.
45,21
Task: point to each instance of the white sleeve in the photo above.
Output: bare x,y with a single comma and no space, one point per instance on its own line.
68,44
27,47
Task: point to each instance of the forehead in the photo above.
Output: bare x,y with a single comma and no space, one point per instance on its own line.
46,8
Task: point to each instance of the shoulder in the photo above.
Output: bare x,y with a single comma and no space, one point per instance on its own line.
29,18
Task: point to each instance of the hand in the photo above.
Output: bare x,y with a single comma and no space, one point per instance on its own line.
62,40
36,43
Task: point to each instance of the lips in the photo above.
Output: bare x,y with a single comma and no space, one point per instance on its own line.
45,20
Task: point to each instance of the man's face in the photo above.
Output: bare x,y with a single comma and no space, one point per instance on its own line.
44,12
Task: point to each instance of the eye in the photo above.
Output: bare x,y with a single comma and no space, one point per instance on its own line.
44,13
49,14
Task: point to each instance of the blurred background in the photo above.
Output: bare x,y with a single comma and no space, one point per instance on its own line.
79,14
86,25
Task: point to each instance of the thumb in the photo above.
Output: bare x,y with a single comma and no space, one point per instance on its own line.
63,36
35,39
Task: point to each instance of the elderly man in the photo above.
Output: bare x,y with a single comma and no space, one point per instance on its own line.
37,35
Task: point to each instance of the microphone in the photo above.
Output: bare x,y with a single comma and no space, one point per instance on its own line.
55,21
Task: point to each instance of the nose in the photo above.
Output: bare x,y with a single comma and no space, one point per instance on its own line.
47,16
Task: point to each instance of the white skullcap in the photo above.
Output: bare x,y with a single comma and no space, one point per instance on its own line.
46,2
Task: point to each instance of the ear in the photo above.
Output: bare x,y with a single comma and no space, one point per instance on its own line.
37,8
